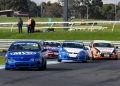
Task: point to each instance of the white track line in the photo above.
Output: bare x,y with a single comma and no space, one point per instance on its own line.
2,66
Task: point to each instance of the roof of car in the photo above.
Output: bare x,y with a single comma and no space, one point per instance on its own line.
52,41
101,41
26,41
72,41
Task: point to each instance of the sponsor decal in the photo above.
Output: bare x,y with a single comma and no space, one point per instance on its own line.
73,50
22,53
106,49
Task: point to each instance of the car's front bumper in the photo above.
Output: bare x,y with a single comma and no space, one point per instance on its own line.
23,64
77,58
106,56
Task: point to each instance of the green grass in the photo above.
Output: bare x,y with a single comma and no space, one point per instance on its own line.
37,19
59,34
2,60
62,35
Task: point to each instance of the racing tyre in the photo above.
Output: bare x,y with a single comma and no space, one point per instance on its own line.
7,68
44,66
114,58
84,61
59,60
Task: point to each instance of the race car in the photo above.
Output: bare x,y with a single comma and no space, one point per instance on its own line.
101,49
52,47
73,50
25,54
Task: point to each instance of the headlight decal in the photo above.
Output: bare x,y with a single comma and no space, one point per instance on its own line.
10,60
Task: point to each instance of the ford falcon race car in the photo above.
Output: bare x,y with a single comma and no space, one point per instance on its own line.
103,50
52,48
73,50
25,54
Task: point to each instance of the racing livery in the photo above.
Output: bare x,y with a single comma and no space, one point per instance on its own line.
25,54
52,49
101,49
73,50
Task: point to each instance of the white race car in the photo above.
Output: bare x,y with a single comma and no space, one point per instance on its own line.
103,49
73,50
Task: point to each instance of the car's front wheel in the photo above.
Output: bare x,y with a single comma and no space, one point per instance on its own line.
7,68
44,66
59,60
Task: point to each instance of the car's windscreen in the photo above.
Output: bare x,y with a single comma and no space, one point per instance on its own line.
51,44
25,47
102,45
73,45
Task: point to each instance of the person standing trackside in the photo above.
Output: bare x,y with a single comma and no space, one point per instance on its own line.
33,25
20,24
29,25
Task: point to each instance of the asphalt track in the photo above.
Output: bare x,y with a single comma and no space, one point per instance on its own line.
96,73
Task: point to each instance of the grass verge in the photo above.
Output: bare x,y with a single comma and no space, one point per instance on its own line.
2,60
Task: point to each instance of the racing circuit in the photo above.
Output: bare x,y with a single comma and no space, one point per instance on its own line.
96,73
93,73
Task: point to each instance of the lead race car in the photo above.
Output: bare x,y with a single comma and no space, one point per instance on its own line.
25,54
101,49
73,50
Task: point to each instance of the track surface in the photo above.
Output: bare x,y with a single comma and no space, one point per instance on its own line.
97,73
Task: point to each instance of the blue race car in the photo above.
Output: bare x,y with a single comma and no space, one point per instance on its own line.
73,50
25,54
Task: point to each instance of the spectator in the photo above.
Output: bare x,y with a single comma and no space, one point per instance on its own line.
20,24
33,25
29,25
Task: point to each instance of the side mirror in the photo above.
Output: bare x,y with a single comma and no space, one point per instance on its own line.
90,46
86,48
116,47
44,50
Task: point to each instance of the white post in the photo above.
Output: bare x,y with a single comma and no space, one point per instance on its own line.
113,26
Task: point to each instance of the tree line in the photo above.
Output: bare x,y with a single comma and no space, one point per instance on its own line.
92,9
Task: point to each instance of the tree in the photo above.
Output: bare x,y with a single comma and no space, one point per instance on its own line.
33,9
3,4
19,5
118,12
95,9
52,9
108,11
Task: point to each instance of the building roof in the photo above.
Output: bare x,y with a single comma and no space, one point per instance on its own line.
6,10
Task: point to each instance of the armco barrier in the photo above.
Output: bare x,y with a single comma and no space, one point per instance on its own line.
5,43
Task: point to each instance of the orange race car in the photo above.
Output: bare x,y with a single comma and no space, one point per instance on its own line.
103,50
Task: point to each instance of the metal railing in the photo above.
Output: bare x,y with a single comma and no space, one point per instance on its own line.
5,43
71,25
